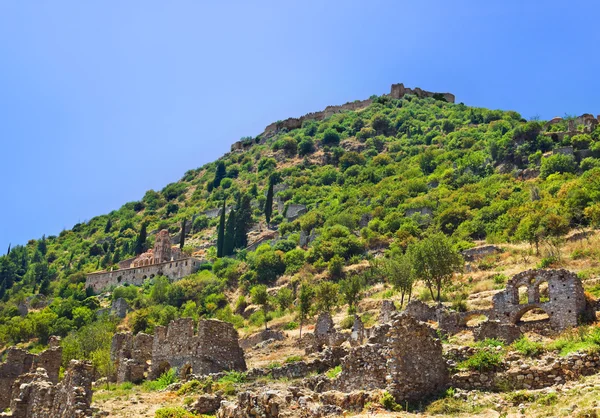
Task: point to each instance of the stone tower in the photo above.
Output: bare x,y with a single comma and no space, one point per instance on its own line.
162,247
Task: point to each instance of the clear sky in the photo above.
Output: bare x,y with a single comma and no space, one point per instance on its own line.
103,100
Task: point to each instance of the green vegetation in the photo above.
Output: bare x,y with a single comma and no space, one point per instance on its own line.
164,380
483,360
420,179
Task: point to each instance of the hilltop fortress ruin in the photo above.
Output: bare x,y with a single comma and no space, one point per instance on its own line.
398,91
162,260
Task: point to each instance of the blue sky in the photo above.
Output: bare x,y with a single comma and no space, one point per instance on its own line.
101,101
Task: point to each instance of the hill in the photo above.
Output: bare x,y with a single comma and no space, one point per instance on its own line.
351,185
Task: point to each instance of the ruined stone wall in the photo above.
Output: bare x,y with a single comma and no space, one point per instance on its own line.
19,362
531,374
416,367
34,395
131,355
213,349
258,337
407,362
564,307
174,270
399,91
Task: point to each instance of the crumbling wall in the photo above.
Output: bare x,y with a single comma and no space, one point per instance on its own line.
494,329
19,362
34,395
408,362
131,355
213,349
399,91
565,304
259,337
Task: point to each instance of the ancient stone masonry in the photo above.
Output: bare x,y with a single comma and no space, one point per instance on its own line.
517,372
557,293
132,355
261,336
398,91
19,362
214,348
163,260
35,395
407,362
325,335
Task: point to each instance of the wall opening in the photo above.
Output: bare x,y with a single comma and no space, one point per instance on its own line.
532,315
543,292
474,320
523,295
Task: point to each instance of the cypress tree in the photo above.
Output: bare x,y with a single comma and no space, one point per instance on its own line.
108,226
243,222
221,232
8,252
228,243
140,243
182,237
269,203
219,174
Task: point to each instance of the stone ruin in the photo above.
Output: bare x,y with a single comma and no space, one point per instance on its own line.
29,385
557,293
402,357
19,362
132,356
214,348
36,395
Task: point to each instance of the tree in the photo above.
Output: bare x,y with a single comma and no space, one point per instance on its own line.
557,163
434,260
243,222
260,296
269,266
284,298
269,204
351,289
219,174
7,272
108,226
41,246
331,137
182,237
221,232
399,272
305,300
140,243
326,294
228,240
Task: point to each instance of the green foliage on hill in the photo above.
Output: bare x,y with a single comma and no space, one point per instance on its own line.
382,177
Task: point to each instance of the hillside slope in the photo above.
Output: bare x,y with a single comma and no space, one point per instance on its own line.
348,185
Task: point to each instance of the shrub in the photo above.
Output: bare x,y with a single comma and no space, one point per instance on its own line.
557,163
290,326
347,322
162,382
334,372
331,137
173,412
389,403
293,359
527,347
483,360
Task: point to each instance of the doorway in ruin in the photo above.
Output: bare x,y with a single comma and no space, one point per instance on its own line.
532,315
186,372
162,368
